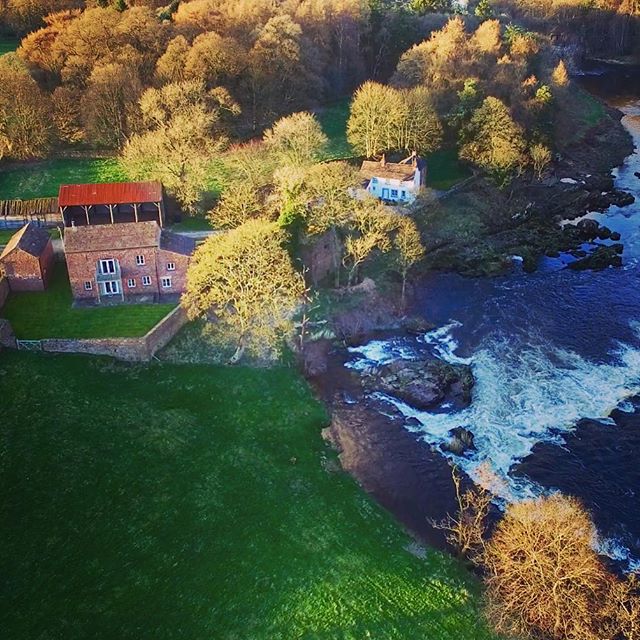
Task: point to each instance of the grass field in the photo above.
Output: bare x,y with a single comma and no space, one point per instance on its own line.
334,123
5,234
193,502
8,44
444,170
49,314
43,179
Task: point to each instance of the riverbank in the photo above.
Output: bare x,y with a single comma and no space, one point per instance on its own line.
399,451
477,230
381,448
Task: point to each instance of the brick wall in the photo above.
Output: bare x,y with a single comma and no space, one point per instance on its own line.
23,271
47,260
178,275
132,349
82,268
4,291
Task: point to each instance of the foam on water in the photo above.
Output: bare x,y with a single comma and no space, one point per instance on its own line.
524,394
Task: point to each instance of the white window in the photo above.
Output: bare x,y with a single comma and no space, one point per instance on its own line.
139,260
171,266
374,180
88,285
146,281
394,193
131,283
110,288
107,266
404,194
166,283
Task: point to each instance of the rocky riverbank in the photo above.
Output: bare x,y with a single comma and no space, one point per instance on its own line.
376,444
479,229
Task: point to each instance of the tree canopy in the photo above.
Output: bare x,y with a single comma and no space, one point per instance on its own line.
245,279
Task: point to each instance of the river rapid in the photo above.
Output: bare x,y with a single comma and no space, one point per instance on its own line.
556,359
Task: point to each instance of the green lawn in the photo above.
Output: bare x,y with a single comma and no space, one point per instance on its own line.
5,234
334,123
196,502
8,44
445,170
193,223
43,179
49,314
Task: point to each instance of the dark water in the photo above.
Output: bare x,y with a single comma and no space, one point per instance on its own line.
556,356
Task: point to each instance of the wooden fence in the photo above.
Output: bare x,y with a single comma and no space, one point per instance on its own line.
45,209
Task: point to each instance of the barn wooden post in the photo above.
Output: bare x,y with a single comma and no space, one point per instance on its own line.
111,213
159,212
86,213
135,211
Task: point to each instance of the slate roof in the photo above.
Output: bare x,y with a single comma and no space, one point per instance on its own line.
109,237
30,238
71,195
390,170
176,243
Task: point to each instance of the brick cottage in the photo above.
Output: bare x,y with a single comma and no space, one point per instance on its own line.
126,261
27,260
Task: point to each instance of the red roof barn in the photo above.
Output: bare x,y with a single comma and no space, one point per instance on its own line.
27,260
110,203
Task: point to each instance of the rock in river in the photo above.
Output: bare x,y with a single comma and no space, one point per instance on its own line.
423,384
462,440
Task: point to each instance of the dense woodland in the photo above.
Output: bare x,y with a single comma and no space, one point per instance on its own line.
82,69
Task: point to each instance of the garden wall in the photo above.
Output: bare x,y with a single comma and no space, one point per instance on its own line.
7,339
132,349
4,291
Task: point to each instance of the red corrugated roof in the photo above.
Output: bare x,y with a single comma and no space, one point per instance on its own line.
109,193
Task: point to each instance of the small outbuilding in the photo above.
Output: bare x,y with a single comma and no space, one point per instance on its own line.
27,260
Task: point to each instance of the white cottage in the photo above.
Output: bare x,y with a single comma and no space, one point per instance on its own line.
394,181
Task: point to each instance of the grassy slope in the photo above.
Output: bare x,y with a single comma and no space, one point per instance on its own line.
49,314
43,179
197,502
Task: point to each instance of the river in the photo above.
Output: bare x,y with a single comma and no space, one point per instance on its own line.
556,358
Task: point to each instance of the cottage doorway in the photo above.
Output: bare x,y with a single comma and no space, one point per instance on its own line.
385,194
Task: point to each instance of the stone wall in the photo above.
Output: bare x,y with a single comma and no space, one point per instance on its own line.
4,291
7,338
132,349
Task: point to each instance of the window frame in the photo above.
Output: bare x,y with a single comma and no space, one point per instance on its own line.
140,260
146,281
131,283
113,286
88,285
171,266
105,263
168,280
